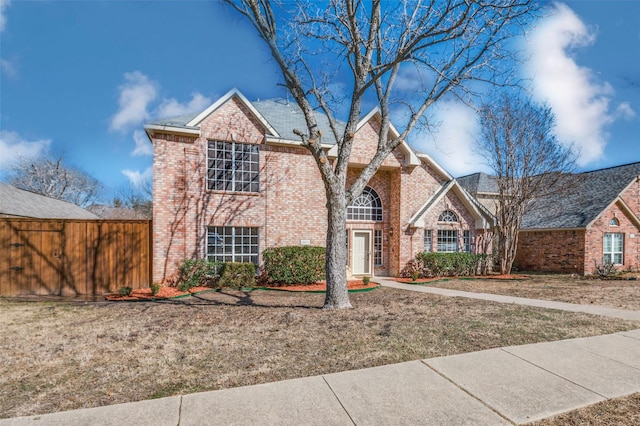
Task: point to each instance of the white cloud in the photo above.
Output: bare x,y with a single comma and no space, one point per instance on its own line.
171,107
135,96
409,78
625,111
3,18
580,103
143,146
8,68
137,178
452,142
13,147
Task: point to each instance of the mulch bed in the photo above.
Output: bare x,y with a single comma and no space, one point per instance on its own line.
477,277
145,294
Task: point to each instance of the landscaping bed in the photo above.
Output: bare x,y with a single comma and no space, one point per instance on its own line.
477,277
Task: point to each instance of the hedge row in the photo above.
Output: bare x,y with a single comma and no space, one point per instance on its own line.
209,273
293,265
428,264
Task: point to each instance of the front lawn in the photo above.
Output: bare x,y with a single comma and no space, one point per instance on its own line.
62,356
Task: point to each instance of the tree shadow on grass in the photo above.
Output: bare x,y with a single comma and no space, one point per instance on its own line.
238,298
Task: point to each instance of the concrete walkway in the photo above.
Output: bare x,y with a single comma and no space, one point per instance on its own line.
511,385
571,307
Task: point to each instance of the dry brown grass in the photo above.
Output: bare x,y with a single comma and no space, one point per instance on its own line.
620,294
616,412
61,356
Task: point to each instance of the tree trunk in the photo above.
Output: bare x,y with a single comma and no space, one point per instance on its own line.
337,296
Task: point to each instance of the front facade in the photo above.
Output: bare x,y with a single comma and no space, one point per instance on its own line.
234,180
594,221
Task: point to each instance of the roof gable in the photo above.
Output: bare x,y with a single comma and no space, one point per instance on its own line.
586,197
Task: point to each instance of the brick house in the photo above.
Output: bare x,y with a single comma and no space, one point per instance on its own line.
232,180
595,220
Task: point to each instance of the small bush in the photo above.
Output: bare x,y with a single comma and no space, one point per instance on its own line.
125,291
155,288
606,270
237,275
293,265
366,280
428,264
198,272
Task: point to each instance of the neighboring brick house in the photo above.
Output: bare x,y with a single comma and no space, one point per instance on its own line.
595,220
232,180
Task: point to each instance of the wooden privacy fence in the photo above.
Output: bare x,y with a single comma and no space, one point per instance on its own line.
73,257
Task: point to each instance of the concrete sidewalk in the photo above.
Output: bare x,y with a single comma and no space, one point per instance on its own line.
511,385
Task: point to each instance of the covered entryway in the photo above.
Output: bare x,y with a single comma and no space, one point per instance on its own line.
361,253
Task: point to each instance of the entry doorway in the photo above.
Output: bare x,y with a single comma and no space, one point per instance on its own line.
361,253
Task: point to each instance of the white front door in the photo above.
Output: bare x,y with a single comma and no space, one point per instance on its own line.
361,253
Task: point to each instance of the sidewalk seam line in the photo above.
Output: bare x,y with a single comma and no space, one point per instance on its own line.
180,409
338,399
555,374
467,392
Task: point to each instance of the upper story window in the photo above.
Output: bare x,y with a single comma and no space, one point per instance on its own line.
366,206
233,166
614,222
448,216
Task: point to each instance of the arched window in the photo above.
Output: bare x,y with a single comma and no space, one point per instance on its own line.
366,206
614,222
448,216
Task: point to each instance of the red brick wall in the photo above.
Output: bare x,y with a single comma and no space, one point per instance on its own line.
551,251
291,204
579,251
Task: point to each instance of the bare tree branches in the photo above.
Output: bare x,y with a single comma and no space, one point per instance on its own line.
51,177
527,160
451,43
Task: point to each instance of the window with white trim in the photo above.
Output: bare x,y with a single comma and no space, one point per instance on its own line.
466,240
232,244
377,247
613,248
233,166
428,241
366,206
447,240
614,222
448,216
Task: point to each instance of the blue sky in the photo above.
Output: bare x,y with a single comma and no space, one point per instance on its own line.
80,78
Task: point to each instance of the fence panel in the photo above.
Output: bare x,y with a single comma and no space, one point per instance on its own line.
73,257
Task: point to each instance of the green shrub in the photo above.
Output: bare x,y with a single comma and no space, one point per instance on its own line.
125,291
366,279
237,275
293,265
429,264
155,288
198,272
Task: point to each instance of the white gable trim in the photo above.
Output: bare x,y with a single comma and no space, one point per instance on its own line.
618,200
411,157
221,101
481,221
435,166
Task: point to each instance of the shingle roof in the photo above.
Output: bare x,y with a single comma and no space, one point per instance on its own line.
282,115
20,203
586,197
479,183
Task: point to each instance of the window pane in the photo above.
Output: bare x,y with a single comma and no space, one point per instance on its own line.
428,244
366,206
232,244
448,241
233,166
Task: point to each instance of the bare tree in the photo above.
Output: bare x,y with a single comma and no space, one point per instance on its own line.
527,160
48,175
449,43
137,197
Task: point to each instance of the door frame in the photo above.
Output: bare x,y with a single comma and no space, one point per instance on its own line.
369,234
